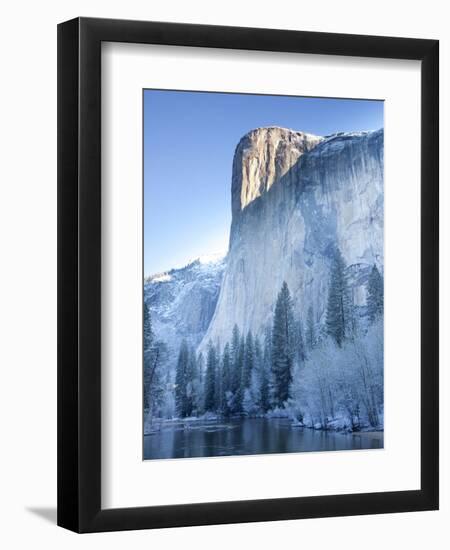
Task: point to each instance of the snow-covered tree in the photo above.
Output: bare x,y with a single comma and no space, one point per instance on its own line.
201,366
338,306
188,388
255,388
210,379
156,381
218,394
249,359
237,363
265,388
193,399
375,294
259,354
266,371
297,399
148,331
148,339
239,368
342,386
168,408
310,330
249,405
300,351
369,359
282,346
181,380
236,372
256,383
155,357
197,397
226,380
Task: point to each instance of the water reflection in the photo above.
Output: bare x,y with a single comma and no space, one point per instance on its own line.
248,436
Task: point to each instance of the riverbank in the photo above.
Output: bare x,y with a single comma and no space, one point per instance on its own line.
248,436
212,421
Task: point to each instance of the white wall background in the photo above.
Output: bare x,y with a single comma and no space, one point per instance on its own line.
28,271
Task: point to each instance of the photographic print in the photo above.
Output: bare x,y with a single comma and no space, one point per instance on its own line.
263,293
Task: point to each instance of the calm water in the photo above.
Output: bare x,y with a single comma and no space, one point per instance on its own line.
248,436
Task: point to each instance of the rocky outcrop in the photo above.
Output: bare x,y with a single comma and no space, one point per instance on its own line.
182,301
262,157
295,197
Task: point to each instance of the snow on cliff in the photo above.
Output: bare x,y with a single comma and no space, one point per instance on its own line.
182,301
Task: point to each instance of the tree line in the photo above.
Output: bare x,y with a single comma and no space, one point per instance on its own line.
292,369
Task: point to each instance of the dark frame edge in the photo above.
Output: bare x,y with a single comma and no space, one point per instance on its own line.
67,372
267,510
430,274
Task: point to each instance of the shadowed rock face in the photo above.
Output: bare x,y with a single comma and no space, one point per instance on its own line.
295,197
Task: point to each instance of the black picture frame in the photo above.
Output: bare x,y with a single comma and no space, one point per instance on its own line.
79,274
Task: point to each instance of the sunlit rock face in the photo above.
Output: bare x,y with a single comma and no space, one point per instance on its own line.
295,197
262,157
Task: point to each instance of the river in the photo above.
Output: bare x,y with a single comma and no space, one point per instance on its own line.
248,436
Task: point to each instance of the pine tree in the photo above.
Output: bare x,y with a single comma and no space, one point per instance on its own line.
192,384
210,379
181,380
155,355
338,307
375,294
239,367
226,380
200,367
282,346
256,377
218,382
148,339
259,355
248,403
300,342
197,385
310,330
236,370
148,331
265,390
248,363
266,372
157,382
236,374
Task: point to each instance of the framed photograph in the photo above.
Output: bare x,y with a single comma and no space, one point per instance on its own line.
247,277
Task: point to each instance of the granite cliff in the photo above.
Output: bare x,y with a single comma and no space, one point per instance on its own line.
295,198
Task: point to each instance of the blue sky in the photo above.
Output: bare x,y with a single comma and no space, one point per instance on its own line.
189,141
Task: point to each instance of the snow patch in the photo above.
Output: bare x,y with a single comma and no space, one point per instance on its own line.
163,278
215,257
